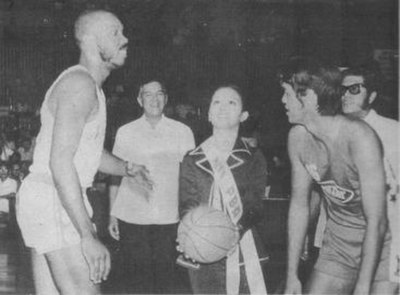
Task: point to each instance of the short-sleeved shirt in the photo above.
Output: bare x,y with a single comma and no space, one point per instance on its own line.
160,149
388,132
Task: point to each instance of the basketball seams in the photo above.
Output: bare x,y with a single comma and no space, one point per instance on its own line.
195,248
185,234
207,240
194,221
206,213
207,234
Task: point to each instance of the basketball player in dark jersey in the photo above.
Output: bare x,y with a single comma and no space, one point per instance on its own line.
344,157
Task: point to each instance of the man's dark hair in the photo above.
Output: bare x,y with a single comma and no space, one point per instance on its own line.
156,80
324,80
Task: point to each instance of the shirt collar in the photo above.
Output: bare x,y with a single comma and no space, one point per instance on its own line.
239,155
147,124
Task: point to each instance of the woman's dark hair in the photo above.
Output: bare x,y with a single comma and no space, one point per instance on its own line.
238,90
324,80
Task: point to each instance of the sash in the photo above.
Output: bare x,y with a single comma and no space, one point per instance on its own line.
225,196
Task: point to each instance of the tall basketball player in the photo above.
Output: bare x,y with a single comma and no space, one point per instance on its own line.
53,211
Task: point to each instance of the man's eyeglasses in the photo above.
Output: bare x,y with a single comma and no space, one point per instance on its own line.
353,89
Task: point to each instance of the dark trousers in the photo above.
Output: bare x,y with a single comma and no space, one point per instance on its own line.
148,259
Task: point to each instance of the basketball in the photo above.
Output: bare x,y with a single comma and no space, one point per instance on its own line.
206,234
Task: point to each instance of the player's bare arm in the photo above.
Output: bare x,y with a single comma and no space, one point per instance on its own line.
298,210
113,227
111,164
73,102
367,154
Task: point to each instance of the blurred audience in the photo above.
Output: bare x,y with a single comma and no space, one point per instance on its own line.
8,147
26,149
8,190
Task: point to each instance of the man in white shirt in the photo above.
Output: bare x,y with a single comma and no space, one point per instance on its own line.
144,219
359,91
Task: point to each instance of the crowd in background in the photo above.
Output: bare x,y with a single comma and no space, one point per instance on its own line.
15,159
17,144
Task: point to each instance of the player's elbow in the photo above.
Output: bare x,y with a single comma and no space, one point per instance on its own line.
379,224
382,225
58,166
299,212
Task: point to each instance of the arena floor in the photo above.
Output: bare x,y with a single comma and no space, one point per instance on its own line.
15,268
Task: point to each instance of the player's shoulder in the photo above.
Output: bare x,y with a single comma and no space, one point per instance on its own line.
357,132
298,141
76,78
75,85
354,127
298,133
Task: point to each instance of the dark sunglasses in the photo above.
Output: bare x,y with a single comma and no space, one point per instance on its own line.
353,89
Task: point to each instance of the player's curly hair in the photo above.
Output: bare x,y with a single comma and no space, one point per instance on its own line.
325,80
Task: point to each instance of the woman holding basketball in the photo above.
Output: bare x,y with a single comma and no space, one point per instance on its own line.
225,173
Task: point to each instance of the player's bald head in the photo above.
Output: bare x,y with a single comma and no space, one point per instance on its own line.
91,23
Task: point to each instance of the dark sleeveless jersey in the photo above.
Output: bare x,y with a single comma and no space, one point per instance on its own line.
335,171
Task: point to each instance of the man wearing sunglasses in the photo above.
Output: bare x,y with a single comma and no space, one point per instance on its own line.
359,91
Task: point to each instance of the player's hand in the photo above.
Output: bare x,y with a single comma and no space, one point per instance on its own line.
97,257
113,228
140,174
187,257
179,248
293,286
